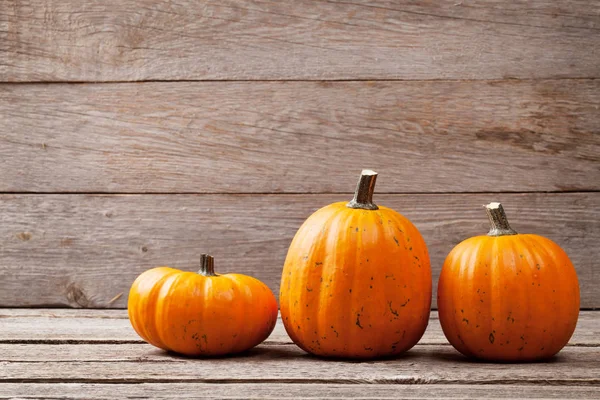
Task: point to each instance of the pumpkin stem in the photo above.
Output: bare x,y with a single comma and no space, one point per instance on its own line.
498,222
207,265
363,196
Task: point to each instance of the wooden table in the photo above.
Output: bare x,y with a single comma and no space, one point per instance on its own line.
64,353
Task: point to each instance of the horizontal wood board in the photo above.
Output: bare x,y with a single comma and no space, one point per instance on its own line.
300,137
123,40
86,250
80,327
137,363
272,390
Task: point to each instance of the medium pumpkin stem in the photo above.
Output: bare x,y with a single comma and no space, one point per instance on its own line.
207,265
363,196
498,222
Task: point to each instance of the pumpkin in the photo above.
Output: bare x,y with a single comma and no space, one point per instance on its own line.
357,280
508,296
201,314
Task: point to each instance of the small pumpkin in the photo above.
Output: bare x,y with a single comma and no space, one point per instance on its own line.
508,296
201,314
357,280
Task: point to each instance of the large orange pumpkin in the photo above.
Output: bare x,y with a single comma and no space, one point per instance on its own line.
201,314
506,296
356,281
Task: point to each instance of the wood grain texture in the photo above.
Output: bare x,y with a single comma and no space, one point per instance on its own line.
86,250
194,390
137,363
123,40
299,137
31,368
66,326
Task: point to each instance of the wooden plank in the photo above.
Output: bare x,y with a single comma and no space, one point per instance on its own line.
66,326
137,363
298,137
112,326
296,391
86,250
116,40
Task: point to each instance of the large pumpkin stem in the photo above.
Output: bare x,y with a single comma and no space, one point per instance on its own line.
498,222
363,196
207,265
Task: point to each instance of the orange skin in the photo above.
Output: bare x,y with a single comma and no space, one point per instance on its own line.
508,298
356,284
196,315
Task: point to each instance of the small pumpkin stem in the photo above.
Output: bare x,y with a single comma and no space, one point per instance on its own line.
207,265
498,222
363,196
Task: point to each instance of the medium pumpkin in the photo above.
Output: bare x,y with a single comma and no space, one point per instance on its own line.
356,281
507,296
201,314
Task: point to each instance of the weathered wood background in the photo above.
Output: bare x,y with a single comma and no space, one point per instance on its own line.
141,133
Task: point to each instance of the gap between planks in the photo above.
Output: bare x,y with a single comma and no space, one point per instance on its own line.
398,381
100,82
119,342
125,193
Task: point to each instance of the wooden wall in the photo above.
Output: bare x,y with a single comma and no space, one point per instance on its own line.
142,133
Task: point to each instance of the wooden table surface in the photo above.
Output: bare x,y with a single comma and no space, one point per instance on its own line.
63,353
